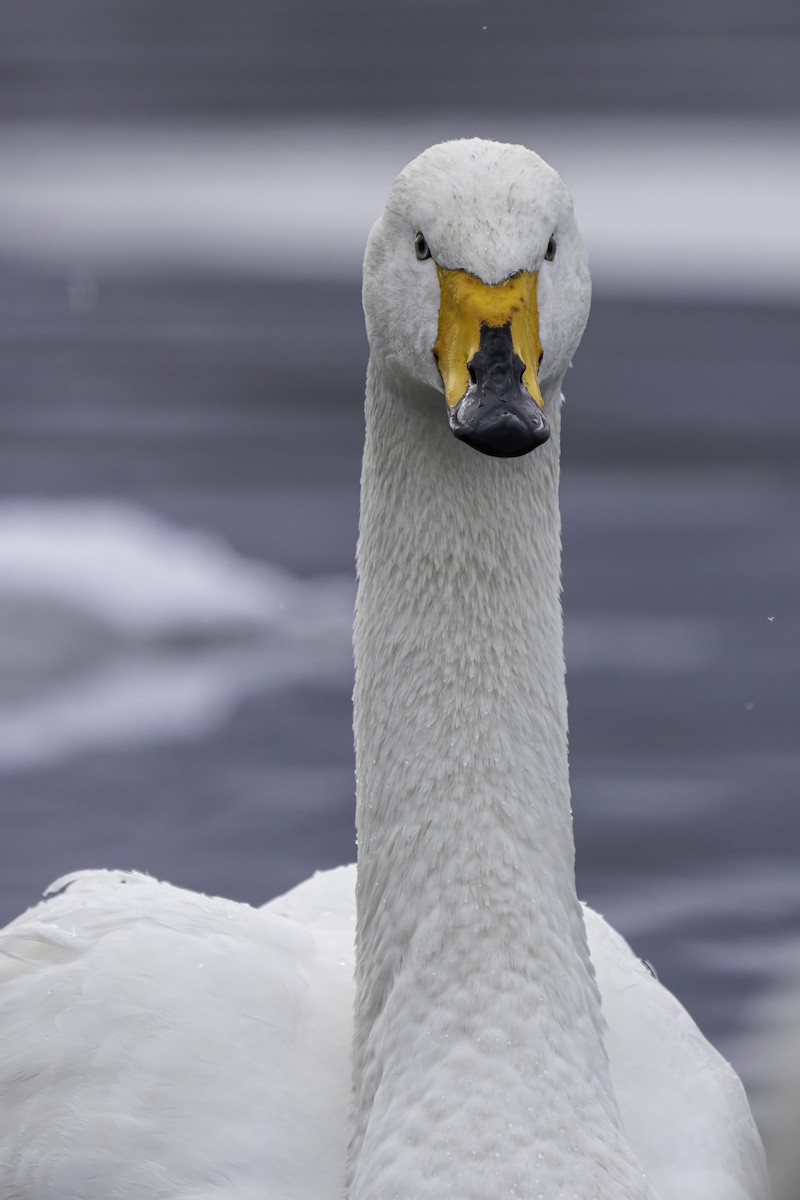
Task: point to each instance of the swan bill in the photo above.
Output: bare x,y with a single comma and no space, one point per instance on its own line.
488,352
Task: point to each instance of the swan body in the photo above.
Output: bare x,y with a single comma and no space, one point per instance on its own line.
156,1042
490,1038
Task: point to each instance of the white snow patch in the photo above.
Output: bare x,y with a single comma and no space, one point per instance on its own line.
118,628
137,699
679,206
146,578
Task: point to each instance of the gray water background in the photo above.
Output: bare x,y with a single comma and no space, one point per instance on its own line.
198,396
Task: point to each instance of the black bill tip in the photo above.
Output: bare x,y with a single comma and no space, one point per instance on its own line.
497,415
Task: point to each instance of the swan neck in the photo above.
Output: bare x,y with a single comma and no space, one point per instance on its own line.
472,970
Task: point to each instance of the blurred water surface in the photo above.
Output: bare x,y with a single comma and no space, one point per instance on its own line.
181,377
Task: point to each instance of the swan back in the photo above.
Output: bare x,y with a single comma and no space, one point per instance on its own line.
157,1042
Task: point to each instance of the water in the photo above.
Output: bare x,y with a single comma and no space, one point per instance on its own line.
138,59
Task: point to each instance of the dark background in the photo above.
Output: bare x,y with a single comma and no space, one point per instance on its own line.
242,59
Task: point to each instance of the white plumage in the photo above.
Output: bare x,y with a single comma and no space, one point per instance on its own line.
158,1043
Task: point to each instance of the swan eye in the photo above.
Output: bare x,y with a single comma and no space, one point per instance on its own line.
550,252
421,247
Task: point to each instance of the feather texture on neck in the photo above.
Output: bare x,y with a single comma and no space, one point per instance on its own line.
473,977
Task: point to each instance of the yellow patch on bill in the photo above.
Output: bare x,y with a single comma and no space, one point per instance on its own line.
466,304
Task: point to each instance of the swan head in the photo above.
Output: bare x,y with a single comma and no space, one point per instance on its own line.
476,287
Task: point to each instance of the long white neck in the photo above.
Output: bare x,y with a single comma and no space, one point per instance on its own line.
479,1052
